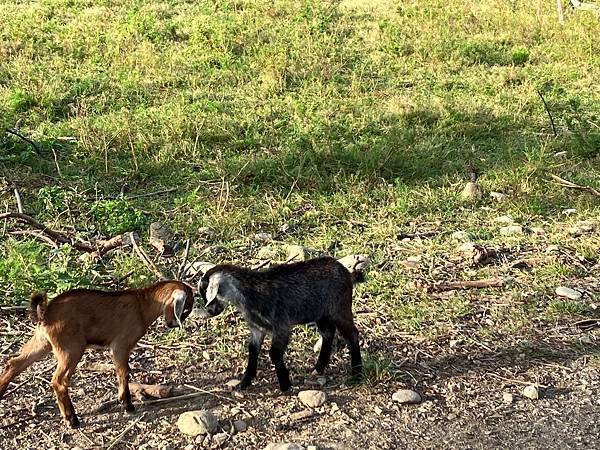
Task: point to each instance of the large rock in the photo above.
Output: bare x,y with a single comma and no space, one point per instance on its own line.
194,423
569,293
406,396
296,253
472,192
161,238
312,398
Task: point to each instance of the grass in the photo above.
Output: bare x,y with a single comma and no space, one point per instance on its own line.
345,121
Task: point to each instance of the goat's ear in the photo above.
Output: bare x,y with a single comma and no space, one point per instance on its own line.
212,289
179,298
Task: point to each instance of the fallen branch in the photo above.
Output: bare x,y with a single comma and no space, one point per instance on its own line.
145,259
140,390
54,235
569,184
548,111
26,139
468,284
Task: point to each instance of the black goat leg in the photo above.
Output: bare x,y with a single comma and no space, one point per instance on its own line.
256,340
278,347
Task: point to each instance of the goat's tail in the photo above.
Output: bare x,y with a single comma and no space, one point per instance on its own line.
39,303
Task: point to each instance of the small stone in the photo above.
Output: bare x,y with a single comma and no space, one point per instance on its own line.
452,416
410,264
190,447
552,249
585,339
507,397
571,294
581,228
299,253
232,384
206,355
311,447
322,381
206,232
454,343
240,426
301,415
531,392
466,247
355,262
263,237
511,230
406,396
282,446
312,398
378,410
472,192
538,231
334,408
499,196
220,438
504,219
200,313
194,423
161,237
560,155
462,236
569,211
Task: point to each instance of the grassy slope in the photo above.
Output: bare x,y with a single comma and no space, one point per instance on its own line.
314,114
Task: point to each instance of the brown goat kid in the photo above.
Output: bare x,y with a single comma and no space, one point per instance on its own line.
80,318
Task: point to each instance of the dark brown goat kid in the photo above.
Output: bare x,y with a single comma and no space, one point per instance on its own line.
80,318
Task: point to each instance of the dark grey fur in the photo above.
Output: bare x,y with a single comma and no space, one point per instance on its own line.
274,300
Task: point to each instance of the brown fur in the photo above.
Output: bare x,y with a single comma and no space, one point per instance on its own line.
79,318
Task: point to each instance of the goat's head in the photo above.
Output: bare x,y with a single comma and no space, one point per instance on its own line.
179,306
218,289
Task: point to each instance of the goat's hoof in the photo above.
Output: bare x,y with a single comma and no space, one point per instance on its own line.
318,371
73,422
244,384
129,409
285,386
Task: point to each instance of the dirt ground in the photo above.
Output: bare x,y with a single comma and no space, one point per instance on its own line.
462,384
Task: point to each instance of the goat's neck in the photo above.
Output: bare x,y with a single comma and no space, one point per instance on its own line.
151,306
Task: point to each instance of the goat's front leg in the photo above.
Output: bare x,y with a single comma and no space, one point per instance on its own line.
256,339
120,358
278,347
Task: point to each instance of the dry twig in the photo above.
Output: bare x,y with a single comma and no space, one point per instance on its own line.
468,284
569,184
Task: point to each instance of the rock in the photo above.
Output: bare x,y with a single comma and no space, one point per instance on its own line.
572,294
161,237
287,446
499,196
312,398
190,447
471,192
378,410
240,426
504,219
266,252
560,155
322,381
507,397
462,236
454,343
511,230
198,268
298,253
582,228
334,408
232,384
300,415
569,211
220,438
207,233
410,264
552,249
200,313
538,231
263,237
406,396
194,423
311,447
531,392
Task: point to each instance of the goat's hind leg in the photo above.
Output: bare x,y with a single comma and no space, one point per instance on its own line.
327,330
67,358
278,347
34,350
256,339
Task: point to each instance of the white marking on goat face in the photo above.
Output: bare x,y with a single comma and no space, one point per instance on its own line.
222,287
179,298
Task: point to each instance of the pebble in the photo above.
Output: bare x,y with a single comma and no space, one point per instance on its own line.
322,381
462,236
504,219
311,447
511,230
240,426
263,237
232,384
499,196
312,398
266,252
220,438
552,249
538,231
190,447
471,192
300,415
572,294
334,408
378,410
282,446
507,397
406,396
194,423
206,232
531,392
